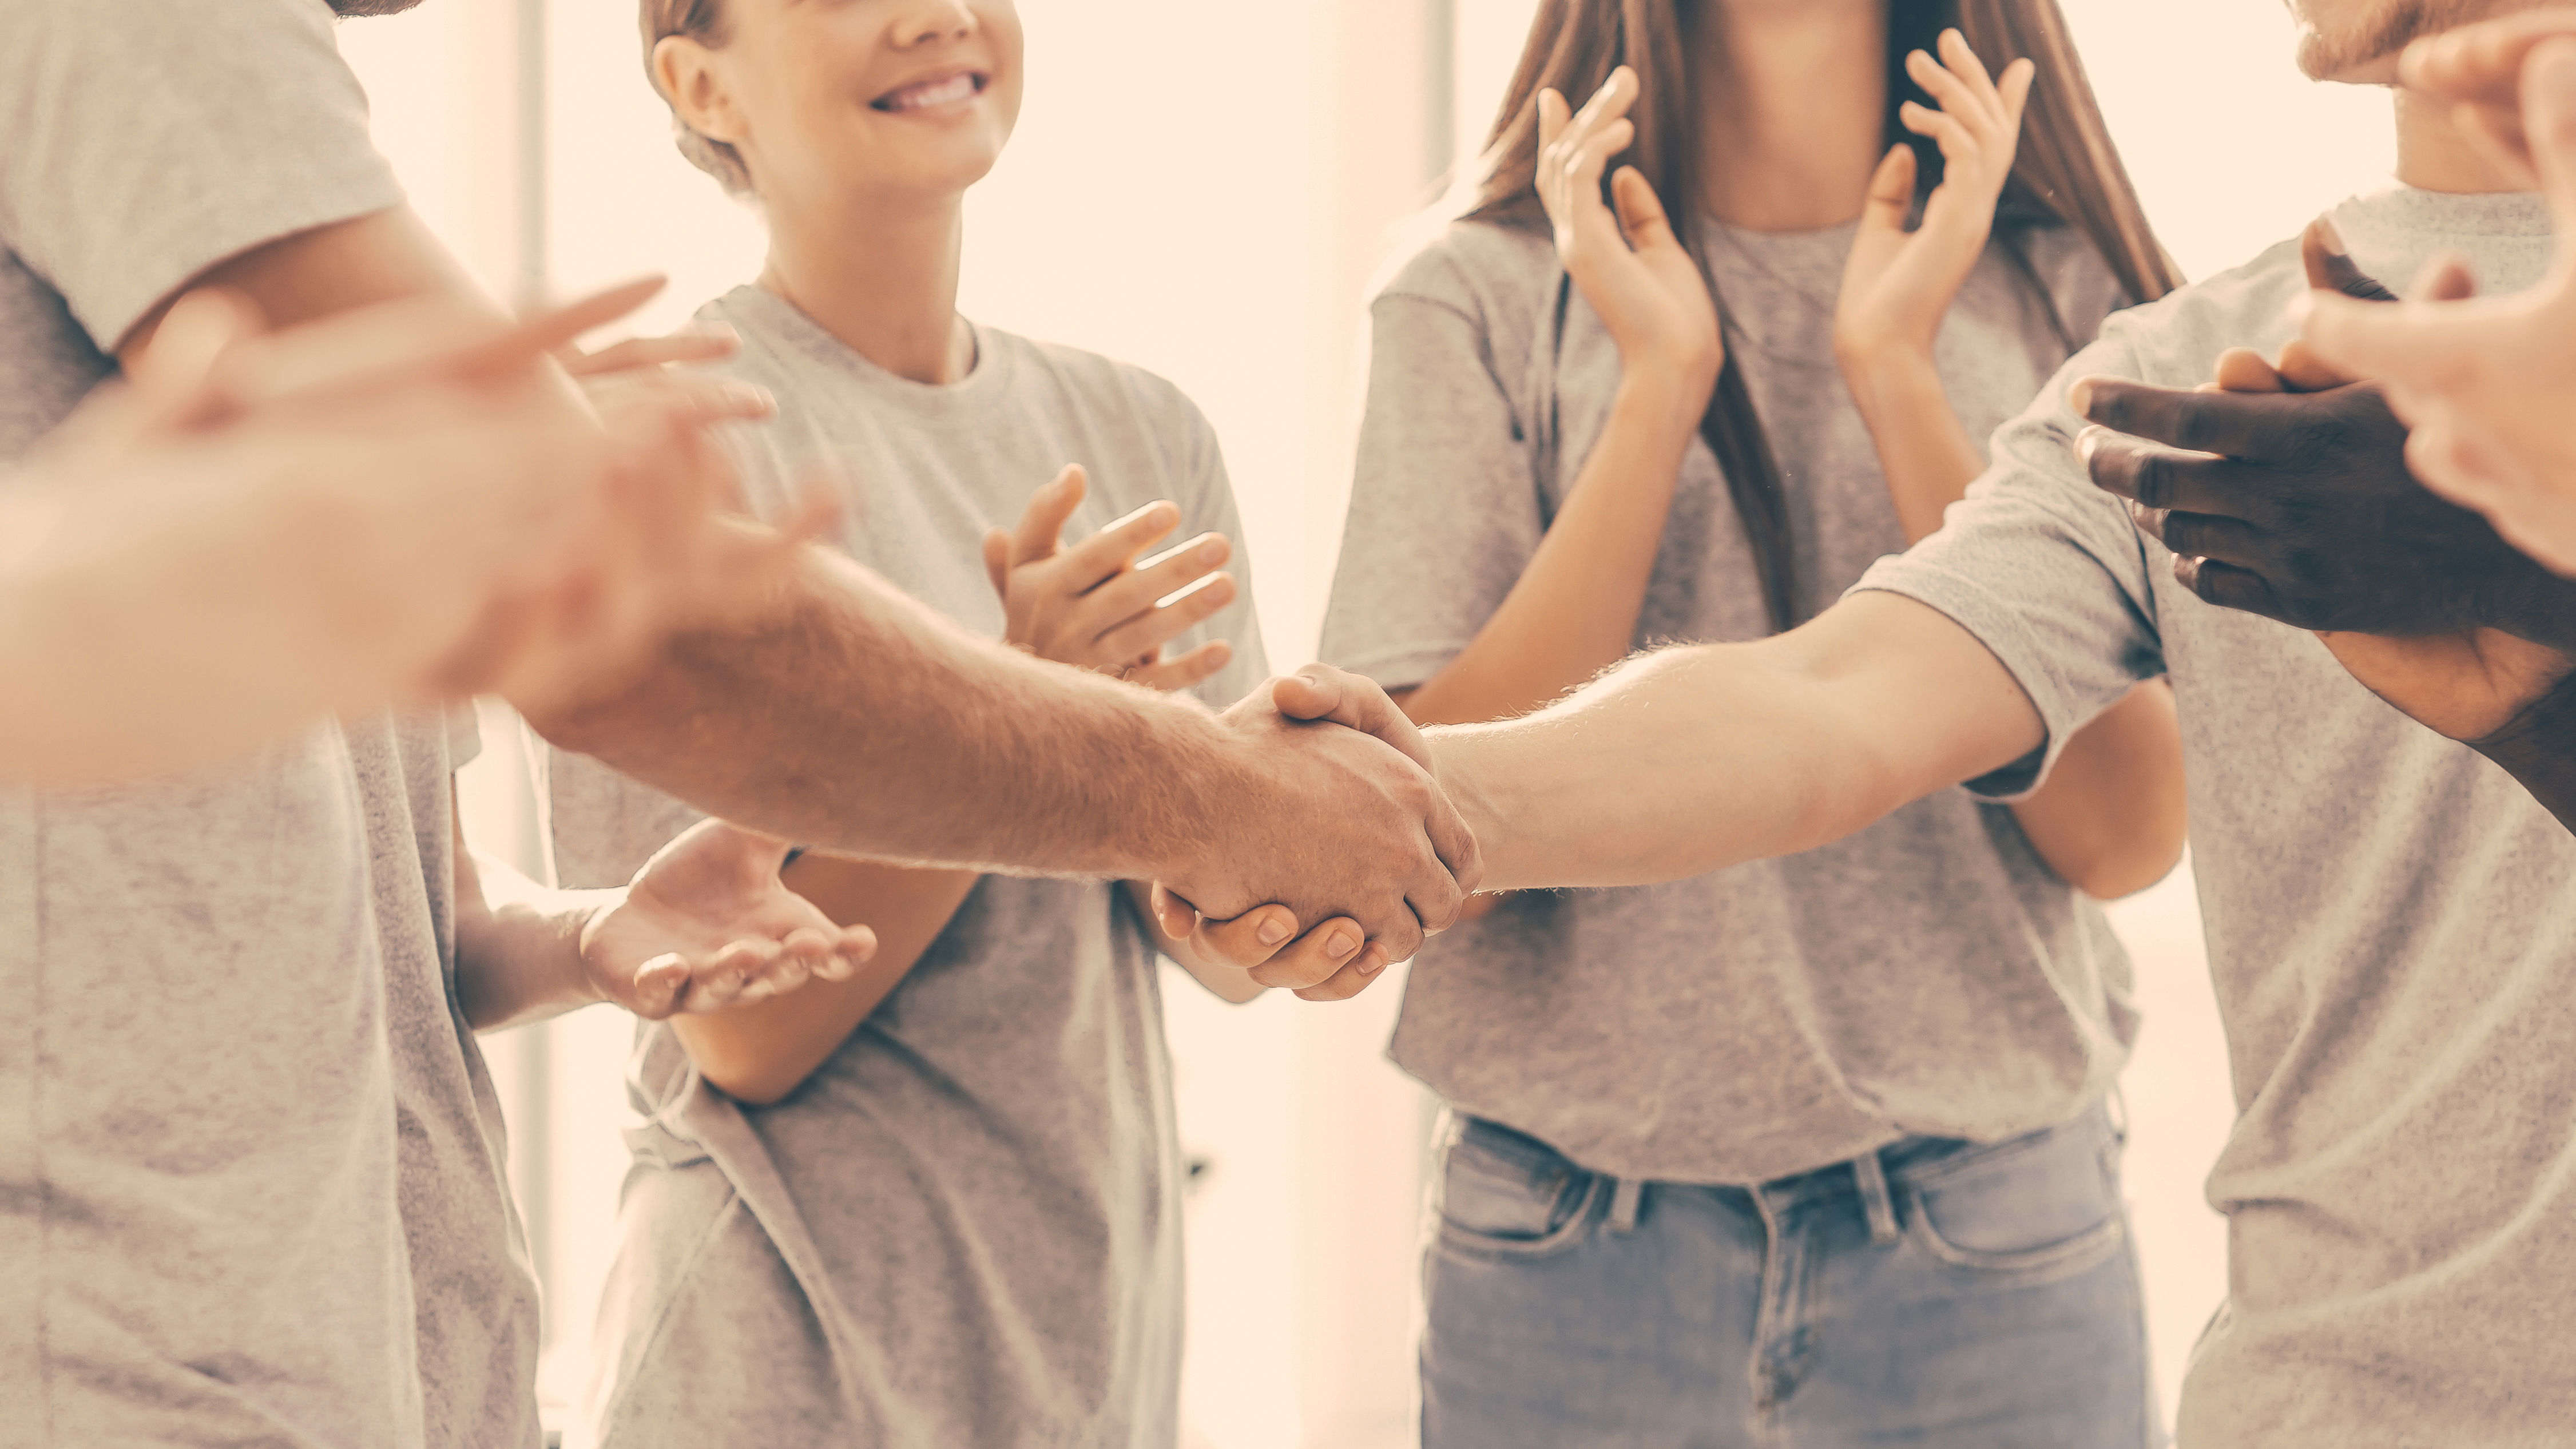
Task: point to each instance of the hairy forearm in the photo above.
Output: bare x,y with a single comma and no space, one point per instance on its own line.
845,716
1573,612
1688,760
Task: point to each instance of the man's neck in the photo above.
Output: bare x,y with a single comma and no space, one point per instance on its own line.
2433,155
1793,106
880,277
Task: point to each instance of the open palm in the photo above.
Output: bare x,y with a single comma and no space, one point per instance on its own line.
707,924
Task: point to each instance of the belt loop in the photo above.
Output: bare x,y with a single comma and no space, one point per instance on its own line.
1874,1198
1626,1193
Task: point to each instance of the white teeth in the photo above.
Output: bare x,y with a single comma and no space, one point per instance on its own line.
938,93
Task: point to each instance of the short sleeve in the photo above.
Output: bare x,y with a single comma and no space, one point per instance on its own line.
143,141
2045,570
1445,509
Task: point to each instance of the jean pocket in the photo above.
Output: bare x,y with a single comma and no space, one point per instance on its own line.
1503,1194
2034,1209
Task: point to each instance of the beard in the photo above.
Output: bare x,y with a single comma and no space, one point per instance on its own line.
351,9
2378,35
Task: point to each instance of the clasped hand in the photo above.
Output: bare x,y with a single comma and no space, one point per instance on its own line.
2283,490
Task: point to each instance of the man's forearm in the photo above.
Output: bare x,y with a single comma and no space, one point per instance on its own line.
849,717
1688,760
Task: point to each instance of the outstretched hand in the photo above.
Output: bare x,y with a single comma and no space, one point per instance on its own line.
2300,507
707,924
1325,709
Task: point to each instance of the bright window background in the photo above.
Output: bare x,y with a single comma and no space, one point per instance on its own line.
1203,188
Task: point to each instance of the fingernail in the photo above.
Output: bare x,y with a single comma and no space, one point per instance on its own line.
2088,440
2080,396
1342,944
1210,552
1374,964
1272,932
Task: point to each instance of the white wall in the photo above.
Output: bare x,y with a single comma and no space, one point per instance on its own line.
1201,187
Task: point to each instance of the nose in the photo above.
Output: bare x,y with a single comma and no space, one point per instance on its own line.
927,22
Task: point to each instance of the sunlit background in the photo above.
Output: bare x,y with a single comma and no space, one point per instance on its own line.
1204,187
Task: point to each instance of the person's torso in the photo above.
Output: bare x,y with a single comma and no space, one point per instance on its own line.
2392,929
1929,975
987,1165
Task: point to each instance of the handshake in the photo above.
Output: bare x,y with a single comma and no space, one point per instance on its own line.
1316,844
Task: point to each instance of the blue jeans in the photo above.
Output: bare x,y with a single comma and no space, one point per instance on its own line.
1939,1293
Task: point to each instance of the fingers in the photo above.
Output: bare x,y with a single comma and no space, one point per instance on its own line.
2228,586
1105,554
2331,268
2549,123
1144,633
1188,671
2371,339
1316,957
2242,369
1641,212
638,353
2162,478
1124,591
1574,152
1041,526
997,561
1891,192
1352,979
2018,79
2201,535
2235,424
2304,371
1321,692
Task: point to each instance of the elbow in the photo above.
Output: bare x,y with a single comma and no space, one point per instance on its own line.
740,1070
2121,873
753,1085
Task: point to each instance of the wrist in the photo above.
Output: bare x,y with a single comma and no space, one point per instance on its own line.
1663,399
1885,375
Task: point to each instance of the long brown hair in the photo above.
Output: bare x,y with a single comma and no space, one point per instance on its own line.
2066,173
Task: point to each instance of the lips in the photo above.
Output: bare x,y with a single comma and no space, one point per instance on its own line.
923,95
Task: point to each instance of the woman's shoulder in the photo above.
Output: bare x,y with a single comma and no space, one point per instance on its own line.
1471,266
1093,384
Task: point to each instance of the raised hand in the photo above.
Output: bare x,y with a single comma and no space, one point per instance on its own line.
1336,822
1897,285
1632,268
2300,508
707,924
1094,605
2486,382
2483,73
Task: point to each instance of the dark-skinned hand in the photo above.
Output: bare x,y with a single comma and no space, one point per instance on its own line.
2298,506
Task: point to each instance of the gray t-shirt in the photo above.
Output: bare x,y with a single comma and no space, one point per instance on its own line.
1929,975
240,1121
964,1227
2391,925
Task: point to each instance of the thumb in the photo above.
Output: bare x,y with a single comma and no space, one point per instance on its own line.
1041,528
997,560
1891,192
1322,694
1641,212
2332,269
2549,120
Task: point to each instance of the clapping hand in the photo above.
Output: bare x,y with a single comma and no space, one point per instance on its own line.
707,925
2299,506
1897,285
1094,605
1631,267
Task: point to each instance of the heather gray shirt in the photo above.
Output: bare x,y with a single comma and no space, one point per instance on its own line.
1928,975
2391,923
240,1121
964,1227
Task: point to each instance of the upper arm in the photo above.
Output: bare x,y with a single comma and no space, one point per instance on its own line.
384,256
151,141
1445,511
